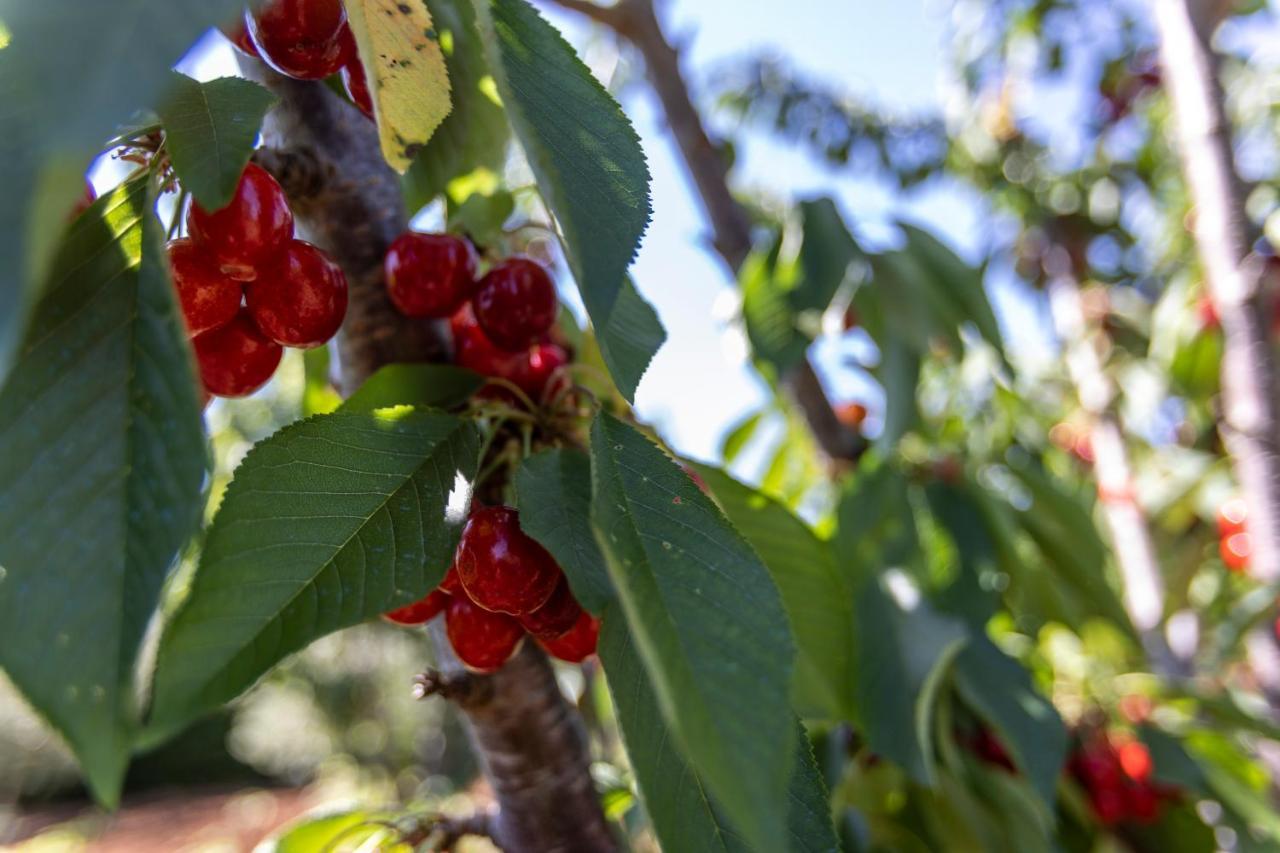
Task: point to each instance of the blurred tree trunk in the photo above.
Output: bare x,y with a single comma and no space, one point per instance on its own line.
530,741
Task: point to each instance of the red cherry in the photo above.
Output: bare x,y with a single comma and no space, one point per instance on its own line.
578,643
482,640
429,275
1232,516
300,38
1235,551
1109,805
851,415
1135,760
421,611
236,359
500,567
535,368
1142,803
473,349
515,303
301,299
238,34
250,230
208,298
451,584
991,750
557,616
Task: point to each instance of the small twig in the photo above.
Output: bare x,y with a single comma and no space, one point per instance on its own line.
462,688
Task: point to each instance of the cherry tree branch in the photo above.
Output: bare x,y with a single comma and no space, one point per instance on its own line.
636,22
529,739
1250,383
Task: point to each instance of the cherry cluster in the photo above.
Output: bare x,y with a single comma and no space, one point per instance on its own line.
247,288
1234,543
307,40
501,323
1116,776
503,584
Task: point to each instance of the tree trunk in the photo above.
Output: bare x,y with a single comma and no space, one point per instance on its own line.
530,741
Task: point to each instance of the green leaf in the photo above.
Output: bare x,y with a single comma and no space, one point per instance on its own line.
438,386
739,436
899,374
332,832
553,491
825,256
481,215
675,797
327,523
902,656
816,595
475,133
210,130
590,169
956,281
708,623
1170,762
66,80
999,690
319,397
100,478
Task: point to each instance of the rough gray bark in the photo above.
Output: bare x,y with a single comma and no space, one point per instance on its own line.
1250,421
530,741
636,22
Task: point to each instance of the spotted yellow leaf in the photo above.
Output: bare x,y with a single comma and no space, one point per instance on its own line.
405,67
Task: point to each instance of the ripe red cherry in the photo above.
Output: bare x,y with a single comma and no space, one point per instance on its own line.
207,297
450,584
483,640
534,368
851,415
238,34
301,299
515,303
473,349
250,231
1235,550
1109,805
300,38
430,275
578,643
500,567
1232,516
557,616
421,611
236,359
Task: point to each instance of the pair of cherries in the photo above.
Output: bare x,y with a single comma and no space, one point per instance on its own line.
247,288
502,585
306,40
500,323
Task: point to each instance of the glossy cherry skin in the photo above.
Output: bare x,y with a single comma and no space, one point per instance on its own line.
238,34
421,611
556,617
474,351
300,300
536,366
451,584
578,643
301,38
515,303
481,639
208,298
236,359
430,275
250,231
500,567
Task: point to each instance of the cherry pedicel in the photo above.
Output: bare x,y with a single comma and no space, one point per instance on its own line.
430,275
236,359
482,640
421,611
208,298
578,643
553,619
250,230
301,38
515,303
501,568
301,299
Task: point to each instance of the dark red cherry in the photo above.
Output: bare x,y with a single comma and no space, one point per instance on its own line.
450,584
208,298
238,34
250,231
500,567
473,349
430,275
578,643
236,359
482,640
515,303
423,610
535,367
558,615
300,38
300,300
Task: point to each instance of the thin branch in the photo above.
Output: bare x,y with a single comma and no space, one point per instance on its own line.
636,22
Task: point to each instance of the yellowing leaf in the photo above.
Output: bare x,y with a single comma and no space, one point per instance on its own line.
401,53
